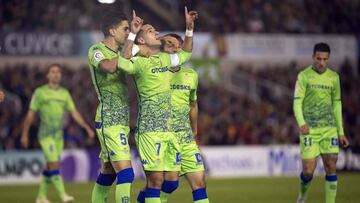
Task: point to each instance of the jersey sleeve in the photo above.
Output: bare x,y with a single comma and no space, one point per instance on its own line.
95,55
193,91
131,66
35,101
337,107
177,59
299,94
70,106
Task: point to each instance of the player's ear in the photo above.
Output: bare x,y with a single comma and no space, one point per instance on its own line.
112,32
140,40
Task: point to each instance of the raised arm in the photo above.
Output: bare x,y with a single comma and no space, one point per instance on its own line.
189,20
135,26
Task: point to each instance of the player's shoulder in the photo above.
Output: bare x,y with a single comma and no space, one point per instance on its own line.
305,71
332,72
189,70
95,48
41,88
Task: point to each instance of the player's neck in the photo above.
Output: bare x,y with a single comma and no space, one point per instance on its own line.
319,70
153,50
111,44
54,85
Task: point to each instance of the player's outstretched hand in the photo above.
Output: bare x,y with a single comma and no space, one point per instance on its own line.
24,140
304,130
190,17
2,96
136,23
344,142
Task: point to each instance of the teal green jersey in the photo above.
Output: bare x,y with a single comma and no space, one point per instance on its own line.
183,91
111,88
317,100
51,104
152,78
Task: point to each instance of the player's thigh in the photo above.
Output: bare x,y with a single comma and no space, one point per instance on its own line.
171,175
329,144
152,147
172,156
196,179
49,147
59,144
191,159
114,143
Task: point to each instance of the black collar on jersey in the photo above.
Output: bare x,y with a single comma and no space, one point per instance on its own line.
314,69
109,48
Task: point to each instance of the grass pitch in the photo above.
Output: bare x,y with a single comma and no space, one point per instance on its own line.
234,190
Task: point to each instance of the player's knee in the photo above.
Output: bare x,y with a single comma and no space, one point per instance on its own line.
169,186
155,182
307,174
197,184
125,176
107,168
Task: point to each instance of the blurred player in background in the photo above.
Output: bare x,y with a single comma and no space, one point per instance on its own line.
112,115
2,96
50,101
156,141
318,111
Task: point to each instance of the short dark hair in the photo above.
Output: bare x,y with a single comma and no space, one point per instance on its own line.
140,34
110,20
52,65
321,47
178,37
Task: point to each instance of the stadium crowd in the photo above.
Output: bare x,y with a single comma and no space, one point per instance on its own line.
270,16
225,118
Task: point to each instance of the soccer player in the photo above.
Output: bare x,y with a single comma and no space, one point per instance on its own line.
156,141
318,111
112,115
184,115
184,122
2,96
50,101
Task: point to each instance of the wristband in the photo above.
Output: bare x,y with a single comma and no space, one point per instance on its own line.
131,36
189,33
135,50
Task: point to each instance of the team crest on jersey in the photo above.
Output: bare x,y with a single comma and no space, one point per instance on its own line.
98,55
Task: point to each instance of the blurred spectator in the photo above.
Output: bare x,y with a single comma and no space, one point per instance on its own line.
264,16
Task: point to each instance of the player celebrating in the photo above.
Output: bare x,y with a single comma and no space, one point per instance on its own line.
317,108
50,101
184,115
156,142
112,115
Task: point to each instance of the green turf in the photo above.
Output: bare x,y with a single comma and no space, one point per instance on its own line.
239,190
